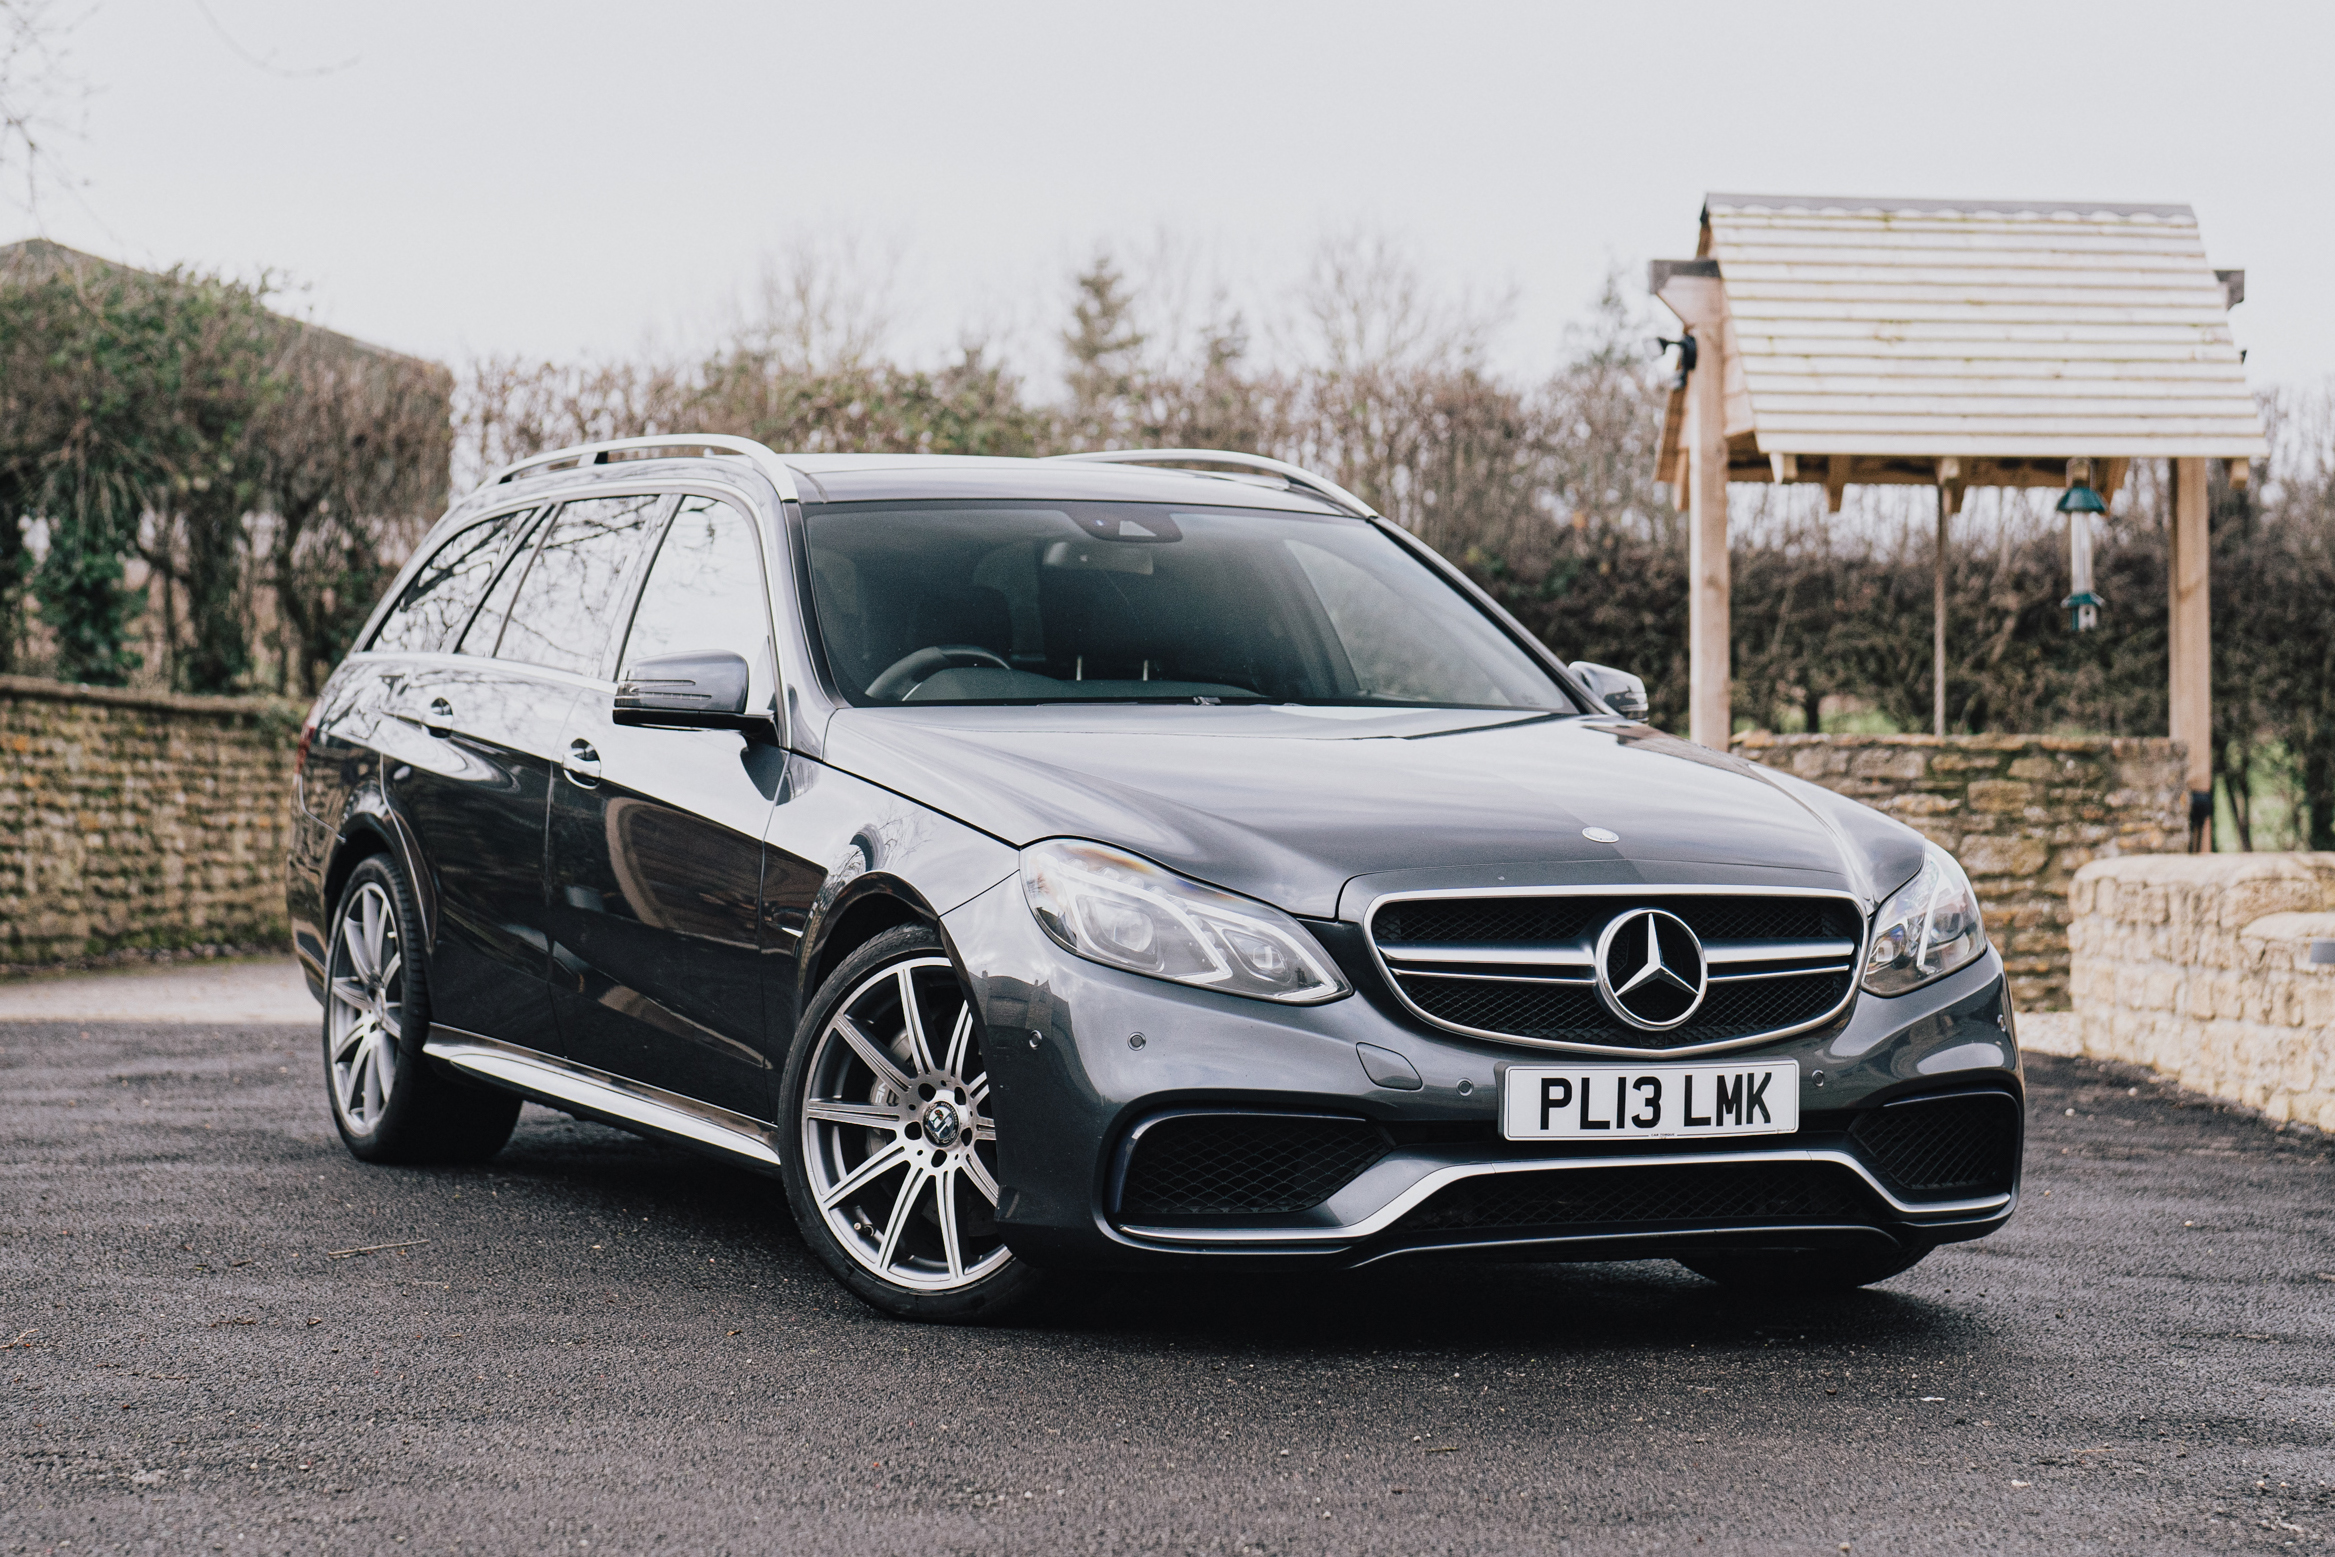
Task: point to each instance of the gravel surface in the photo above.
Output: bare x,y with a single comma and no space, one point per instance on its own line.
595,1344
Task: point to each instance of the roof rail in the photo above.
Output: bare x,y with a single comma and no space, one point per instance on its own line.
612,451
1295,475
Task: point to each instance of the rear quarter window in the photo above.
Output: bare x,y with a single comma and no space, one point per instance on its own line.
448,585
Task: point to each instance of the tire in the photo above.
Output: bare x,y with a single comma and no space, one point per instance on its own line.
390,1104
890,1161
1809,1271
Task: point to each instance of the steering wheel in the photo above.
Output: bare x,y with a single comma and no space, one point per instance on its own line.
910,671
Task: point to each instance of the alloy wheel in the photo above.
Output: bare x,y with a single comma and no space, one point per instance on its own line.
899,1151
365,1008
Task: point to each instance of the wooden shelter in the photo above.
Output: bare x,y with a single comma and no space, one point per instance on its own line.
1952,344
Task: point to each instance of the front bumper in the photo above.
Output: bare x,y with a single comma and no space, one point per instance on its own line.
1084,1058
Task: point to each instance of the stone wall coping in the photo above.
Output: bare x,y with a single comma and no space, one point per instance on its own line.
263,707
2295,927
2208,870
2075,743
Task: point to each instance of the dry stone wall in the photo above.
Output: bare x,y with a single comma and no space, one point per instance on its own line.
137,821
2023,813
2199,966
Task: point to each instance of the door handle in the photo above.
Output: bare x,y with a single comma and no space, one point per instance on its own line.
581,764
440,720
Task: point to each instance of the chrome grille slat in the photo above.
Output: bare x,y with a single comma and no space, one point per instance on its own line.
1518,963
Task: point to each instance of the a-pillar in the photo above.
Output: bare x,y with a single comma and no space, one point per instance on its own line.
1710,719
2190,703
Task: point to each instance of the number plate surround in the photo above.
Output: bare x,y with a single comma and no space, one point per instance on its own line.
1679,1101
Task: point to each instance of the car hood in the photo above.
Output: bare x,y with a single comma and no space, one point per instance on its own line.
1289,804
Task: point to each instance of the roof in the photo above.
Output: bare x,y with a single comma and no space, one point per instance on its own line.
37,259
1979,329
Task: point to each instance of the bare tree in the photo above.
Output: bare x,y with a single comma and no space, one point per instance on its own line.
825,304
36,80
1369,307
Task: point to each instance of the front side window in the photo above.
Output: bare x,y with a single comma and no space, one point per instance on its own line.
568,602
446,587
1119,602
704,590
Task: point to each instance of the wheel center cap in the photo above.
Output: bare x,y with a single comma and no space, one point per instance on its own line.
941,1124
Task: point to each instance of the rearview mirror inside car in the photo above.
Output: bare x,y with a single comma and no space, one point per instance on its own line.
704,689
1624,693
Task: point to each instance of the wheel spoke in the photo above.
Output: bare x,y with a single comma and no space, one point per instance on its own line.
903,1204
944,1205
360,1067
376,1079
392,1023
351,993
353,938
886,1068
978,1172
977,1091
877,1165
371,902
919,1047
866,1114
983,1130
960,1039
352,1042
391,969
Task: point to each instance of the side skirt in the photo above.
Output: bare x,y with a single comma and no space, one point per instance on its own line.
549,1079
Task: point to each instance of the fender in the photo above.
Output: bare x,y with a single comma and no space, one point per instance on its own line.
372,813
888,861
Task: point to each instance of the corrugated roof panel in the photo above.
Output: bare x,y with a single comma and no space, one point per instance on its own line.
1932,328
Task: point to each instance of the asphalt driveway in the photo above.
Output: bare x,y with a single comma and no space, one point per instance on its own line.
595,1344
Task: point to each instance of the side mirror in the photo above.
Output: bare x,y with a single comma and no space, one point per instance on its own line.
702,690
1624,693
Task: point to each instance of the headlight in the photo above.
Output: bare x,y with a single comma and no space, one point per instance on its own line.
1927,929
1124,911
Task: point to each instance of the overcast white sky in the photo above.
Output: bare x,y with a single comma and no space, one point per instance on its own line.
549,179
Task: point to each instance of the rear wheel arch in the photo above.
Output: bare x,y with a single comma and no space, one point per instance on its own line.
358,843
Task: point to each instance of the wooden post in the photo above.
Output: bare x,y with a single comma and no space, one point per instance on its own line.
2190,703
1710,716
1946,507
1691,289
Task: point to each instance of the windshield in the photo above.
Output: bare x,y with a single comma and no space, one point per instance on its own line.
1117,602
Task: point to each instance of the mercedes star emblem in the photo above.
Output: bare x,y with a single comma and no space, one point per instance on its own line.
1650,969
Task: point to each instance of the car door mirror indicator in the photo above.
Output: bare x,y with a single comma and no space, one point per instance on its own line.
1624,693
700,690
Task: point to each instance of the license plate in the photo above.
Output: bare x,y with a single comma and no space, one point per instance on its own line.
1649,1102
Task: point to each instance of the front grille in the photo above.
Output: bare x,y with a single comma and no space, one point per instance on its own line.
1523,967
1243,1164
1935,1147
1762,1193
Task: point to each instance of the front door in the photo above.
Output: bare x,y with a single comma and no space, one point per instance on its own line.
655,843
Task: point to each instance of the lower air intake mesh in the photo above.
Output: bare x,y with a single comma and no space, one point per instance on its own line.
1937,1147
1243,1164
1720,1193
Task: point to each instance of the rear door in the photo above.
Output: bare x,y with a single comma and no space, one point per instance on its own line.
495,710
655,841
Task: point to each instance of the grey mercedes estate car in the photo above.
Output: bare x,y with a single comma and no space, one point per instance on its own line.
1135,860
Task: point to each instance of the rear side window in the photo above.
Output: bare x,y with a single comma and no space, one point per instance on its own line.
445,589
485,627
568,603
